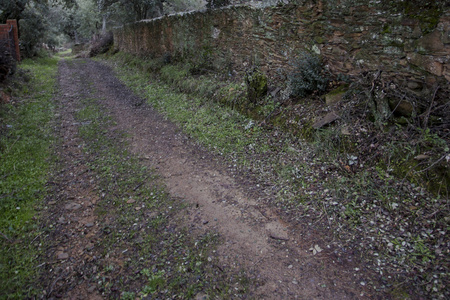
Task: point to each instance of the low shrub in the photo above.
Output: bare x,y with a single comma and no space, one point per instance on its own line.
102,44
309,75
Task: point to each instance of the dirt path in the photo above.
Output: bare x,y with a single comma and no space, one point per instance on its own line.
70,209
278,255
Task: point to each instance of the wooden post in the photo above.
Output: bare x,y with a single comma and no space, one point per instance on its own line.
15,29
9,35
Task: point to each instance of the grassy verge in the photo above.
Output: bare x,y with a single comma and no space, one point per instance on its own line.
143,226
211,122
25,156
398,228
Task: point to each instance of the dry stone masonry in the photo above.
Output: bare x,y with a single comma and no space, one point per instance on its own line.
352,35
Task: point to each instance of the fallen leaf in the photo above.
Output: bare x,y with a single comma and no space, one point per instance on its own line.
318,249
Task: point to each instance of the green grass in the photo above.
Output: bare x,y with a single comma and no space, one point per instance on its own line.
212,123
67,52
25,156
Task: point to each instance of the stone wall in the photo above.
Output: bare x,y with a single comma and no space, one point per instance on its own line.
352,35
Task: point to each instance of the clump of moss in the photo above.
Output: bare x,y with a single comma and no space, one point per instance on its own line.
386,29
256,85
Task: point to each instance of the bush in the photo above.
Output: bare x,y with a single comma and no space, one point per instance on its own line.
102,44
308,76
202,63
7,62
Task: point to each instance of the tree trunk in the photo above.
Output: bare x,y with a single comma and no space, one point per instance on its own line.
104,24
76,37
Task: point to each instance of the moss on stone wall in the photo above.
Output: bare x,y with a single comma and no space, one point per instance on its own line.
427,13
256,85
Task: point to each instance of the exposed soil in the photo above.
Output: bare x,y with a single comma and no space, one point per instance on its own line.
254,237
